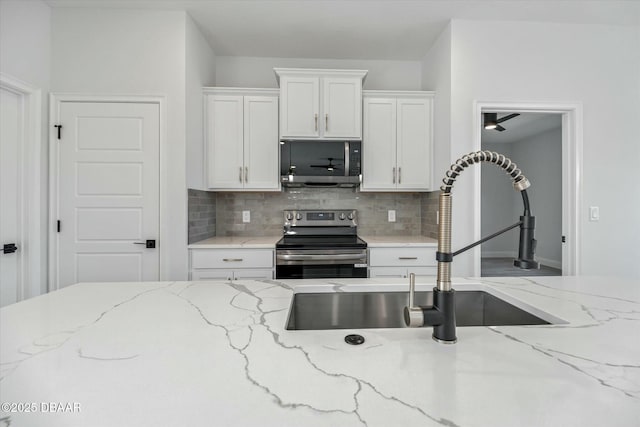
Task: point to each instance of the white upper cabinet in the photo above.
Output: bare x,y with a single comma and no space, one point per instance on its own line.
242,139
320,104
397,141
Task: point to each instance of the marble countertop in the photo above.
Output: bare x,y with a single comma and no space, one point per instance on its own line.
237,242
217,354
269,242
395,241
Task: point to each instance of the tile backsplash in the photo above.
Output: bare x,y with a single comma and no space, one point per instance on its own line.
202,215
414,211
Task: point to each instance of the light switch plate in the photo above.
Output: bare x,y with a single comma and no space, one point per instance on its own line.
246,216
391,215
594,213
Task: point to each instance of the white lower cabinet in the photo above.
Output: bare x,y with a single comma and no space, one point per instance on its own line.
231,264
399,262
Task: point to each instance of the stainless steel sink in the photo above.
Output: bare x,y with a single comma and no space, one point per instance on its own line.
362,310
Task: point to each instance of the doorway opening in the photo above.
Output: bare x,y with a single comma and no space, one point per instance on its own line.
545,142
534,142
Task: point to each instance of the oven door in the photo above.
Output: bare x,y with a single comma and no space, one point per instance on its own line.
320,264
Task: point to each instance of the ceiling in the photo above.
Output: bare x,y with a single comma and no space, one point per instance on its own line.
358,29
523,126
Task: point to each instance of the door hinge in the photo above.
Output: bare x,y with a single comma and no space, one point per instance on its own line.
59,225
59,130
564,239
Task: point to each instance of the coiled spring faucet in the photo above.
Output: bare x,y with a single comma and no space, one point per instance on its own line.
441,315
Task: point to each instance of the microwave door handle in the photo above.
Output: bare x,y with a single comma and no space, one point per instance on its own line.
346,158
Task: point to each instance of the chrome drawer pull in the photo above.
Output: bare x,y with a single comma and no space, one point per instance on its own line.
232,259
407,257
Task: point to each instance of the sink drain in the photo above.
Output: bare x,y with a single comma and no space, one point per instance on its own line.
354,339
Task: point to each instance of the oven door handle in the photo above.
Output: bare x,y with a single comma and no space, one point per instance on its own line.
356,257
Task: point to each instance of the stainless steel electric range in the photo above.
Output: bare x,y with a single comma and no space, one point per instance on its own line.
320,244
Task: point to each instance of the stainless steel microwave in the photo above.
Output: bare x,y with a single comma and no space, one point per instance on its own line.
320,163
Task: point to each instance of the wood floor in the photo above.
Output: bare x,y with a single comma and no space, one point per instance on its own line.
501,267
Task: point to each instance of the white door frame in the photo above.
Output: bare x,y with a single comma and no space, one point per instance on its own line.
55,101
31,234
571,172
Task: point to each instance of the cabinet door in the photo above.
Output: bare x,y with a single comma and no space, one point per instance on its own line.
253,273
414,144
379,144
299,107
402,256
212,274
388,272
342,107
225,141
261,143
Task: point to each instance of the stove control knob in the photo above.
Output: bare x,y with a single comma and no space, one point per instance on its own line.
289,216
298,216
350,215
342,216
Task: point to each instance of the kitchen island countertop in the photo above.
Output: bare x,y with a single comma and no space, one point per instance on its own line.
217,354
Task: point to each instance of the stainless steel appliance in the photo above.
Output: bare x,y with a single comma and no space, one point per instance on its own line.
320,163
320,244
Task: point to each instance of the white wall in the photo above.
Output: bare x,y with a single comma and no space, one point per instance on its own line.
498,202
25,54
129,51
241,71
597,66
200,72
436,75
540,159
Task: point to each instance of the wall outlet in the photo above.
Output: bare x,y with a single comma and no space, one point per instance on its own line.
246,216
594,213
391,215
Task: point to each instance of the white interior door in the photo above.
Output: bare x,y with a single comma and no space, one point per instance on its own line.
11,143
108,192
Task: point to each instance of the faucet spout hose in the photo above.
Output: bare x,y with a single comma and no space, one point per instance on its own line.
520,182
444,241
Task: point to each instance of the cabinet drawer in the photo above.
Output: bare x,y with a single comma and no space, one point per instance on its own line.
390,257
226,275
219,274
231,258
402,272
389,272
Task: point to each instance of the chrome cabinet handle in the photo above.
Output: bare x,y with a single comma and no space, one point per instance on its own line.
407,257
394,175
326,121
246,174
240,174
399,175
232,259
315,116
